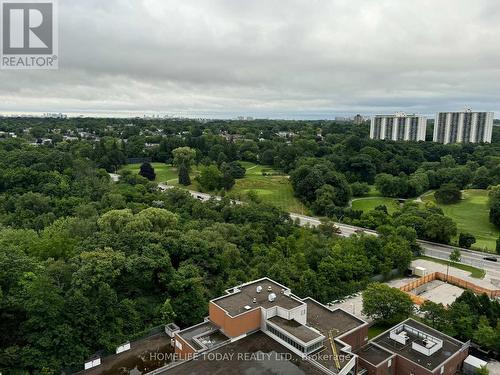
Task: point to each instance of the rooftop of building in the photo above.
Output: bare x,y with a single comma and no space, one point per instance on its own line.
205,333
465,111
325,320
241,297
431,362
400,114
302,332
337,322
373,354
255,354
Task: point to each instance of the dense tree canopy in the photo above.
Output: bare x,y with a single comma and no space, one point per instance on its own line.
386,305
87,264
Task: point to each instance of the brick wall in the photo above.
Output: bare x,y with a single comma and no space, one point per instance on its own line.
237,326
186,352
357,338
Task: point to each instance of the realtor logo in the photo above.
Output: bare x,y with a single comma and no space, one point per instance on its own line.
29,34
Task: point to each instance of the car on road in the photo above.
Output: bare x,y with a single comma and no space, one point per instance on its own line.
491,259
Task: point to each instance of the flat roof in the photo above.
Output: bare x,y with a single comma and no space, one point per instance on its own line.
234,302
373,354
450,346
402,115
325,320
188,334
255,354
302,332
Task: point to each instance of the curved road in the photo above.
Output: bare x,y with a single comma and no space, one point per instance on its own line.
435,250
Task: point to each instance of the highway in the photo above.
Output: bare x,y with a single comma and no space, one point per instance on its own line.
435,250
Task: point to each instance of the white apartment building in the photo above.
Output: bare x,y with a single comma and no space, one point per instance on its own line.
398,127
463,127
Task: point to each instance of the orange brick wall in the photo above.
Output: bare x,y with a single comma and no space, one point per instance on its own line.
237,326
186,352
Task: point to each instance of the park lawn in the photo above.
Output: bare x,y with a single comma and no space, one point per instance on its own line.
369,203
477,273
472,216
164,173
275,189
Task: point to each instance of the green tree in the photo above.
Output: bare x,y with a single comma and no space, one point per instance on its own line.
447,194
495,213
436,316
147,171
360,189
439,228
184,178
385,304
167,312
455,255
482,371
210,178
391,186
485,335
183,159
466,240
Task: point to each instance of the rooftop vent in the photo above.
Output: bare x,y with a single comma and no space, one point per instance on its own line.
247,307
269,288
259,289
282,291
254,300
271,297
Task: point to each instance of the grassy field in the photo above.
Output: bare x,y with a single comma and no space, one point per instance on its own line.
369,203
274,188
163,171
477,273
471,215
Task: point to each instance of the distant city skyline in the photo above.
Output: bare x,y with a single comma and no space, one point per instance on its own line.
254,116
266,59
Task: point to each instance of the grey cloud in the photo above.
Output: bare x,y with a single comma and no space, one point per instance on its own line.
265,57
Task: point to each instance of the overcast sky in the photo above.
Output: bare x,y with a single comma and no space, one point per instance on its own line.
266,58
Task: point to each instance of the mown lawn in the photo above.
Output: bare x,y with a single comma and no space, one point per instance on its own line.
274,188
369,203
164,172
477,273
472,216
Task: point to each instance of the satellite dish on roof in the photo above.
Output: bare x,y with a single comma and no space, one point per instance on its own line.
259,289
271,297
